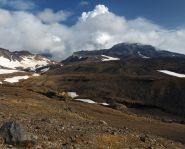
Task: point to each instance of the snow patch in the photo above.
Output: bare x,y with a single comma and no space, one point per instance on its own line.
26,62
141,55
72,94
36,75
7,71
45,70
16,79
86,101
172,73
104,104
32,62
109,58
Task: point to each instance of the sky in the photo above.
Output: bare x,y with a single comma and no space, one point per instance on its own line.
61,27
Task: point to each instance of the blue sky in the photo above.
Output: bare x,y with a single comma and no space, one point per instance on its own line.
61,27
167,13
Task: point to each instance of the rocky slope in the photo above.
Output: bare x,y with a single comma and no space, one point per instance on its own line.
71,124
123,51
101,99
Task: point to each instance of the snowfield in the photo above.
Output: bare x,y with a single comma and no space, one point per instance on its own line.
86,101
7,71
16,79
108,58
172,73
26,62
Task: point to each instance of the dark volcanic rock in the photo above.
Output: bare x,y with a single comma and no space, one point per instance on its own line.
14,133
123,51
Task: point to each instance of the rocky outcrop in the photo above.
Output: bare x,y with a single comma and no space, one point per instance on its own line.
13,133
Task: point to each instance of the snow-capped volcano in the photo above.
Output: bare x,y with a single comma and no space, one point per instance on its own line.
22,60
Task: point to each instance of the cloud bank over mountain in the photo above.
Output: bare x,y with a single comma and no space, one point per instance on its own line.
100,28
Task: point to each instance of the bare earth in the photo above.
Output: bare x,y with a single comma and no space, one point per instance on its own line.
70,124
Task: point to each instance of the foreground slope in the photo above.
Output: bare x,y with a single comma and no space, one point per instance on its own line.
67,123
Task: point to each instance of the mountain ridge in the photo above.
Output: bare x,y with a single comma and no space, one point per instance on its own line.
122,51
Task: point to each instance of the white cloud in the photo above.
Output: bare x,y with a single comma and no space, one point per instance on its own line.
18,4
48,16
84,3
100,9
96,29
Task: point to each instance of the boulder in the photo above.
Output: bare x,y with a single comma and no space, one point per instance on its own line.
14,133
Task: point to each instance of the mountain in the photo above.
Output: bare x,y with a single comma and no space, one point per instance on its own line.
123,51
114,96
134,75
22,60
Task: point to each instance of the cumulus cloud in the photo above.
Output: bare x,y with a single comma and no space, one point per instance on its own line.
95,29
100,9
18,4
48,16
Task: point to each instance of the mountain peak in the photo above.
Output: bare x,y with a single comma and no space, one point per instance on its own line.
125,50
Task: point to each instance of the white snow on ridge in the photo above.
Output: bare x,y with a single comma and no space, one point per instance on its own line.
16,79
32,62
141,55
172,73
86,101
109,58
7,63
26,62
7,71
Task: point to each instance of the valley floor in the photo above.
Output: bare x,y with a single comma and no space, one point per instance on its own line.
72,124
